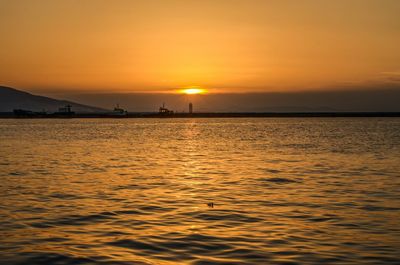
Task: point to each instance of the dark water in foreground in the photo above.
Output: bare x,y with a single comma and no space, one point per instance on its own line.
285,191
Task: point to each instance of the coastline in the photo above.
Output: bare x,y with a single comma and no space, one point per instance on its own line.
11,115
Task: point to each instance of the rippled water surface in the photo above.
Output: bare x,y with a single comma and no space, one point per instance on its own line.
135,191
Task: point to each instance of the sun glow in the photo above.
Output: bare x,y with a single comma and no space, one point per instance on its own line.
193,91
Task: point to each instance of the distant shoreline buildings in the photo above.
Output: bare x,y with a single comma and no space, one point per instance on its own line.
165,111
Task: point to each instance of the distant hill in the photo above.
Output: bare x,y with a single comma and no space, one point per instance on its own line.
11,99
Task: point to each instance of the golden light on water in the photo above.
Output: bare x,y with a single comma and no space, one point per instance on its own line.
193,91
149,185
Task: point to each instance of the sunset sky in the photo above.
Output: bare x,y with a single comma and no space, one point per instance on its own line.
220,45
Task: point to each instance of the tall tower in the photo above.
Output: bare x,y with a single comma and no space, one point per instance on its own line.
190,107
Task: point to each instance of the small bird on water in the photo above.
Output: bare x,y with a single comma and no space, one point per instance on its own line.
210,204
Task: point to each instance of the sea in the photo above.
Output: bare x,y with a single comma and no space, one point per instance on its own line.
200,191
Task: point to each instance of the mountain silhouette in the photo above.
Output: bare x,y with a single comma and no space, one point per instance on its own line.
11,99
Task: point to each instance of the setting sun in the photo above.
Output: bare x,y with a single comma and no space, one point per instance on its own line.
193,91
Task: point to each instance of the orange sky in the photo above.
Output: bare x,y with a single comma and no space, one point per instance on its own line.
221,45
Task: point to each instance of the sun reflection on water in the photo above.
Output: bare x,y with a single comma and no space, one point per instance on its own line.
137,190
